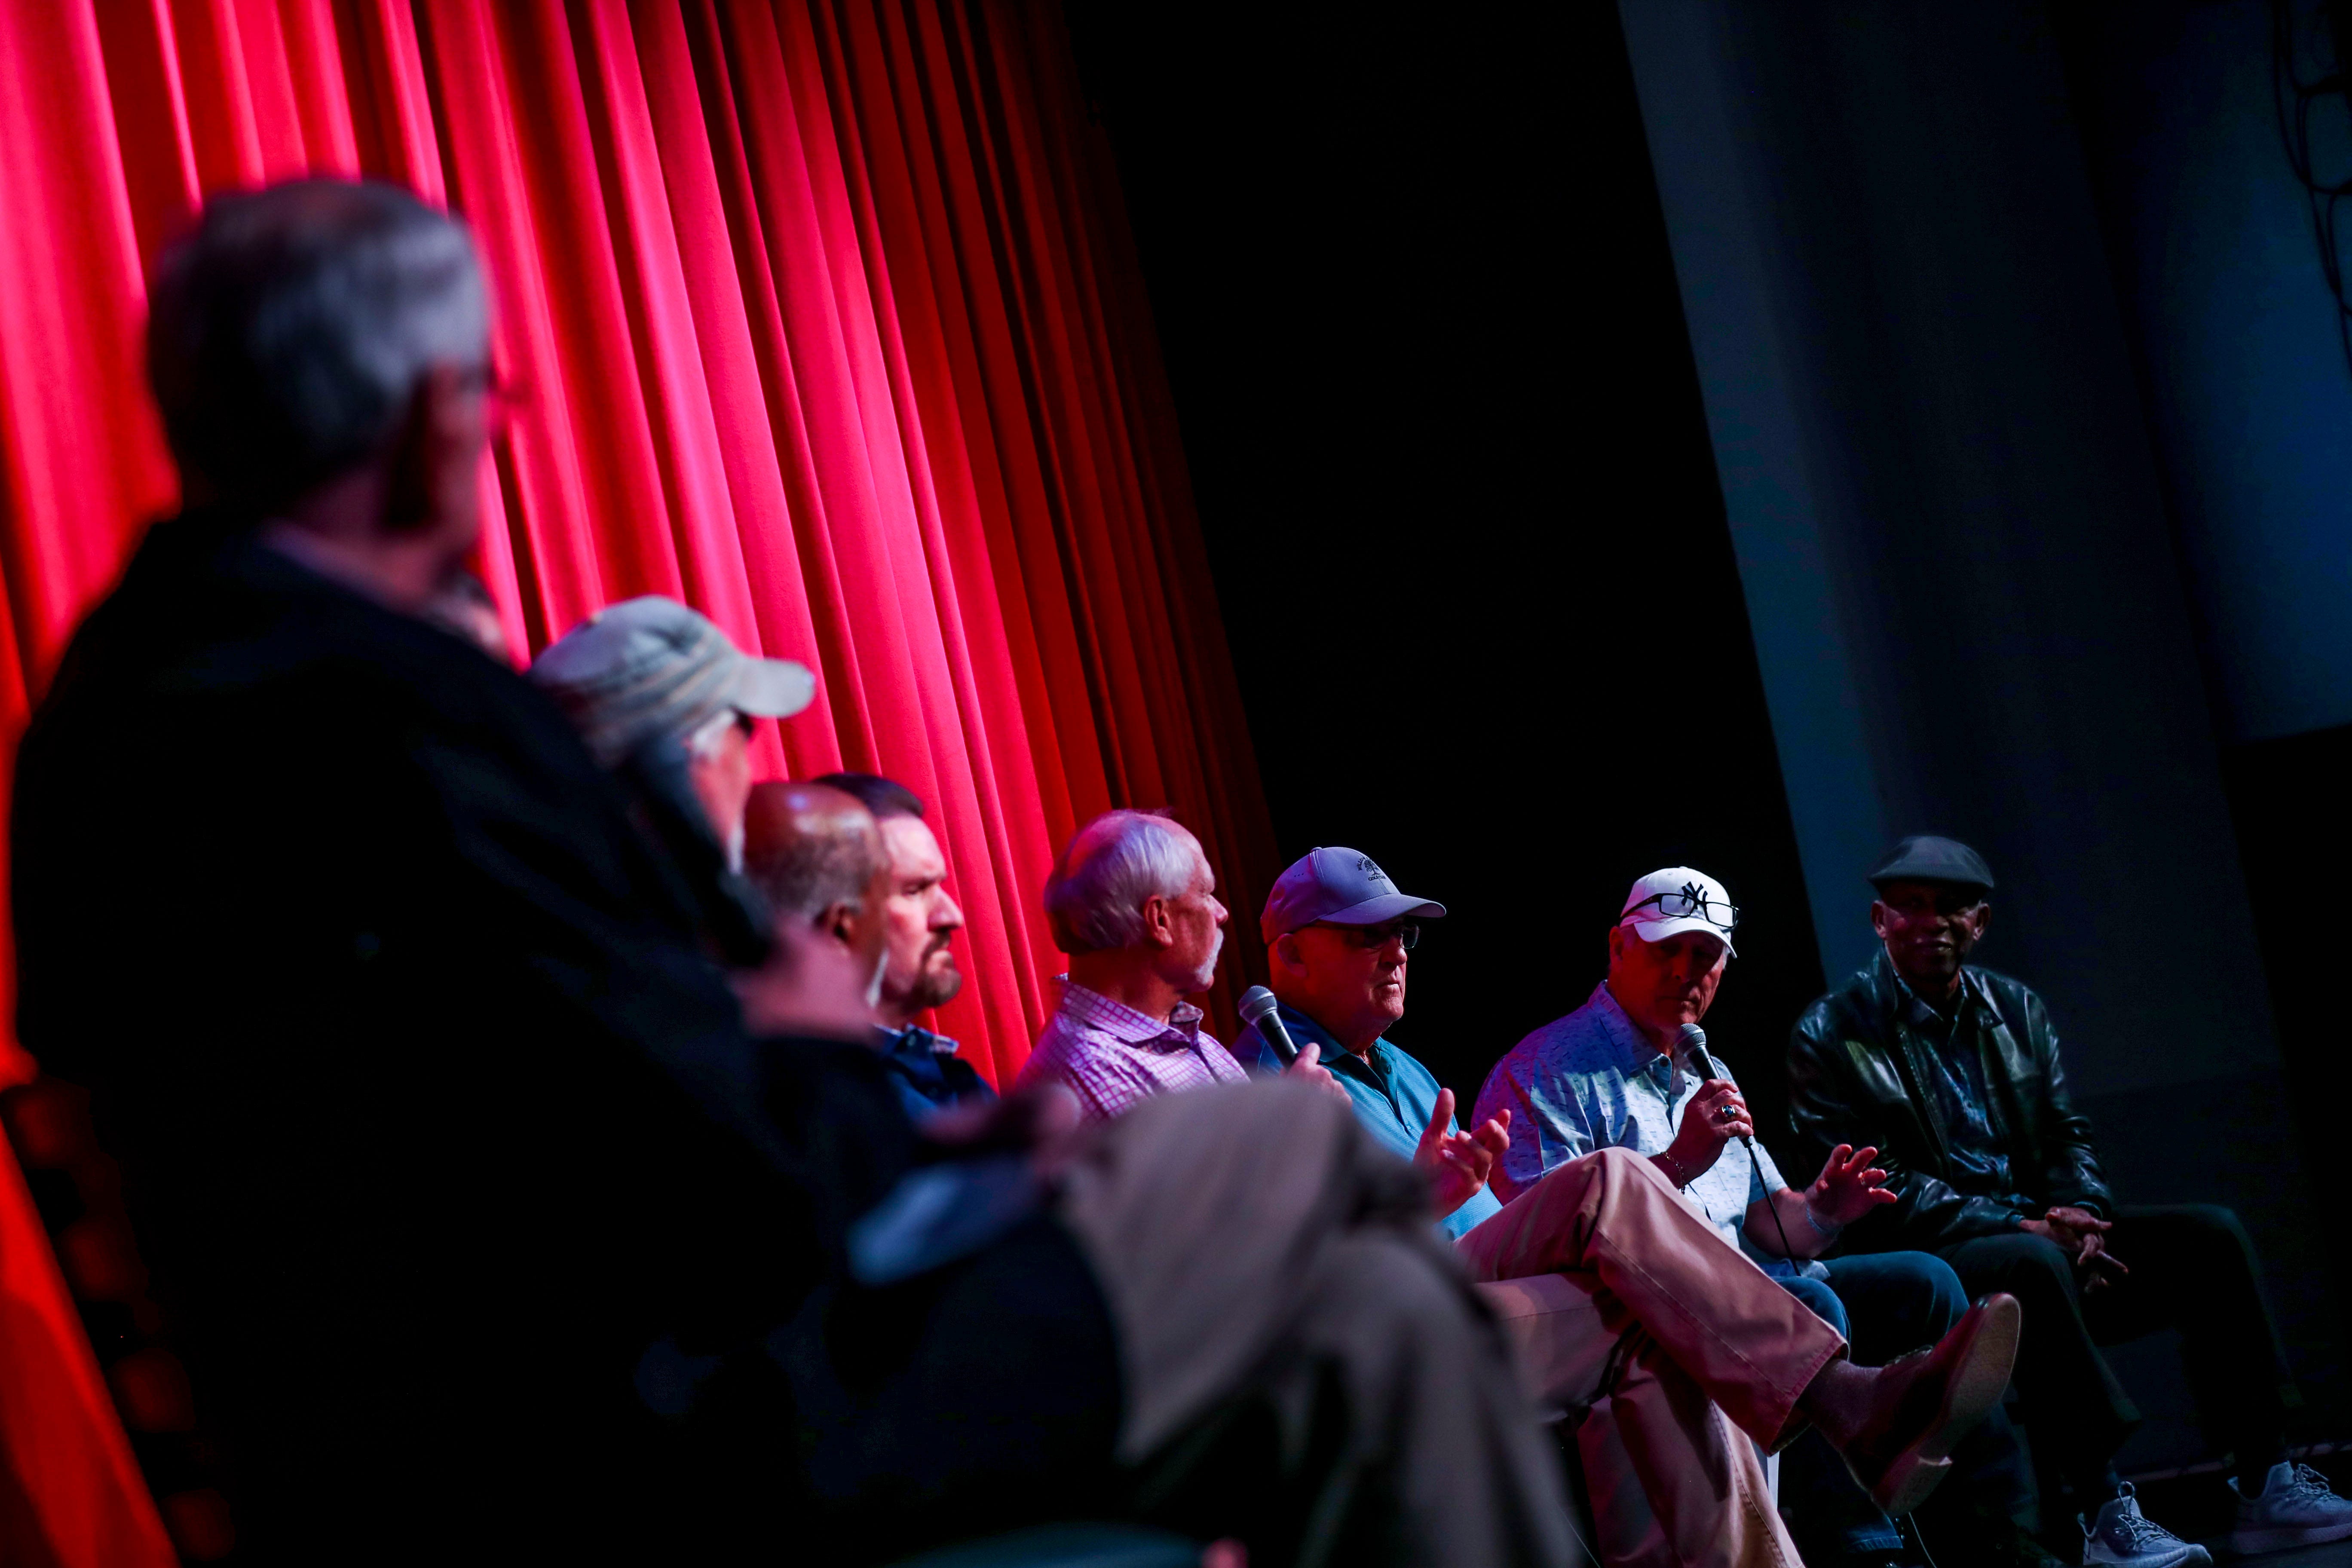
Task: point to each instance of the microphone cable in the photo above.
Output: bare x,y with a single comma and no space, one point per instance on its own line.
1695,1038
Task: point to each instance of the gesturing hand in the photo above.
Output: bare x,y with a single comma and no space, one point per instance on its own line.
1716,1114
1459,1163
1849,1186
1306,1067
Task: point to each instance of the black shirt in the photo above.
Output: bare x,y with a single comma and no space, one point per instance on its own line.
435,1122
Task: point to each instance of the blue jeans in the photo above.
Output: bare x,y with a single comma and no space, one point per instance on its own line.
1884,1303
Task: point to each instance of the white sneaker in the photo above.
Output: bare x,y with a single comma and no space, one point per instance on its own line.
2296,1509
2124,1534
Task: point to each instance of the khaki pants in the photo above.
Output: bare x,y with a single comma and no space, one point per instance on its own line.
1662,1333
1255,1244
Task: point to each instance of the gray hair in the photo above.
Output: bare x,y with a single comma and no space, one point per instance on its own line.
290,332
1095,897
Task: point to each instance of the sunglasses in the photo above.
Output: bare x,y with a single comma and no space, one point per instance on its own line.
1690,903
1378,936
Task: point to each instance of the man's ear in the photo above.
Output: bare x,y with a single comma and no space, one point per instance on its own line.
436,447
1284,954
1878,918
1983,918
410,477
839,922
1158,929
1616,944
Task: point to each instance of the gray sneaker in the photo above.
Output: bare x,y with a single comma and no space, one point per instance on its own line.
2124,1534
2297,1508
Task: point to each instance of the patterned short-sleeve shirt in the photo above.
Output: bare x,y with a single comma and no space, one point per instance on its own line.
1592,1080
1114,1058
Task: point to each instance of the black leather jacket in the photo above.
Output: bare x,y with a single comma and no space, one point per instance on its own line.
1858,1074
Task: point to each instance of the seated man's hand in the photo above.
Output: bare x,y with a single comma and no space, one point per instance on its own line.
1308,1068
1716,1114
809,986
1849,1186
1458,1163
2083,1236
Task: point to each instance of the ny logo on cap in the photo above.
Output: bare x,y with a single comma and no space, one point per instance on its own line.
1364,864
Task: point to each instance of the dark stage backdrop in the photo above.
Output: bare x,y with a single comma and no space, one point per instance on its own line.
1989,331
1421,322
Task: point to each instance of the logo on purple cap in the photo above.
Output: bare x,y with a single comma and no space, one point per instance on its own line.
1364,864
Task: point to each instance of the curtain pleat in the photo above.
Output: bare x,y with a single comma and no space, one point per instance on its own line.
820,314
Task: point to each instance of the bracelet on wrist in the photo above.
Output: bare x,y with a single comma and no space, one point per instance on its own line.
1676,1170
1822,1227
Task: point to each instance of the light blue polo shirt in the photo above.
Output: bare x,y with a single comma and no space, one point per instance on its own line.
1592,1080
1393,1094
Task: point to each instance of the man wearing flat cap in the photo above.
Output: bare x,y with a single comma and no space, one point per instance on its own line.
1953,1072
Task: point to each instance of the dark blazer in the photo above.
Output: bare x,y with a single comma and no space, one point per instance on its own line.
1856,1075
452,1166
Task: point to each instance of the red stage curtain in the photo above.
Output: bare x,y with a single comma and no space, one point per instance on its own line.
824,319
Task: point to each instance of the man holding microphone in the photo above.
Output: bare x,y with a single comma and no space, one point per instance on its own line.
1631,1069
1671,1479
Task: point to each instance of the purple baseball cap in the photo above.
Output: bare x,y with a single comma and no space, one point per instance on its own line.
1336,887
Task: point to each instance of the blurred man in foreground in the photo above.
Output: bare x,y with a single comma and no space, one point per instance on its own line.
815,855
481,1226
1953,1070
818,856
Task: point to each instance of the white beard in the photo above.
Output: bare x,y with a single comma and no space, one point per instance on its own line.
874,986
1207,975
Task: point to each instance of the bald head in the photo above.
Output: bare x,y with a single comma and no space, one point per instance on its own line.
809,847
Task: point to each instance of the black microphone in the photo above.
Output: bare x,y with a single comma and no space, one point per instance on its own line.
1691,1039
1259,1008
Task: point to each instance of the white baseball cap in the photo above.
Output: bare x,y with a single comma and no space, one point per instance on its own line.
1677,899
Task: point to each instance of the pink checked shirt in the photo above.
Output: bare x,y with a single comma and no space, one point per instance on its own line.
1113,1057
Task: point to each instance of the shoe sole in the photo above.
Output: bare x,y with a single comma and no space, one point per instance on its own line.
1977,1385
2286,1538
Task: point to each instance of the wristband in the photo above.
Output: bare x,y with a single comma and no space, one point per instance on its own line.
1676,1173
1825,1228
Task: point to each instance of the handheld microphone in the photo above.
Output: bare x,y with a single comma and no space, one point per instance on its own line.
1693,1039
1259,1008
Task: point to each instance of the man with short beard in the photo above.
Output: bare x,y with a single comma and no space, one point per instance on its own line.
906,913
1133,902
918,922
